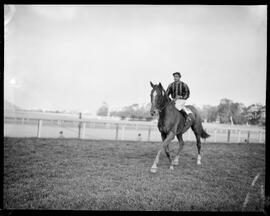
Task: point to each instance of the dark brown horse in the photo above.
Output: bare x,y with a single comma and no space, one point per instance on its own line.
171,123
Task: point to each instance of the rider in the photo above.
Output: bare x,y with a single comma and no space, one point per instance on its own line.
179,91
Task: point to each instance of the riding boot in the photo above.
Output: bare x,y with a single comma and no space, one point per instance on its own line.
188,120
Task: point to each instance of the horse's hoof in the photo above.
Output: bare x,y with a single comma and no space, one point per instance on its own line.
171,168
153,169
199,163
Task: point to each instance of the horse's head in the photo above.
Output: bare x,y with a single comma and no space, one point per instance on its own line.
157,95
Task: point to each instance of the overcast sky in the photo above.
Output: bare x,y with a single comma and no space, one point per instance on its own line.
76,57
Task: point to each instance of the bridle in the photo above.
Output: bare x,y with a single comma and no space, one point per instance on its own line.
164,106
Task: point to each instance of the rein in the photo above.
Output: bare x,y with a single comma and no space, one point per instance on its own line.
164,106
164,98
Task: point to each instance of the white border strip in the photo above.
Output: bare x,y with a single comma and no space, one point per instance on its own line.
255,179
248,194
246,201
262,192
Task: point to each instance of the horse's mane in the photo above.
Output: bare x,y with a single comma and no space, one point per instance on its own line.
167,96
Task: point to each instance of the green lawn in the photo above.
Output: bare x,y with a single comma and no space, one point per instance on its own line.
109,175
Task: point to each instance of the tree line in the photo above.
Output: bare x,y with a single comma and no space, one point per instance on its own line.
234,112
225,112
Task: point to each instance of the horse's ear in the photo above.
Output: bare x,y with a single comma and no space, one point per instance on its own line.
152,84
160,85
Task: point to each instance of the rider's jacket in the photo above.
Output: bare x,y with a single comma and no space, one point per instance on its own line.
178,88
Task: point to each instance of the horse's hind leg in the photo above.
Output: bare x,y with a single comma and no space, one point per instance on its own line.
198,142
198,139
181,145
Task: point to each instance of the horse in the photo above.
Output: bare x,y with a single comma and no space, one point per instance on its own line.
171,123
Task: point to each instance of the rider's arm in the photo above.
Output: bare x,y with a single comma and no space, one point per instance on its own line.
186,92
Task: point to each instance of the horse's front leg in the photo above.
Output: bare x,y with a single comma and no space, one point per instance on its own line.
165,144
154,166
181,145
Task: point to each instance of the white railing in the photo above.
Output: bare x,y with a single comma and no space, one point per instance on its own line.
123,129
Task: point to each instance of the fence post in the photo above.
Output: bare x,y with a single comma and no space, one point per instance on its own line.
228,137
260,137
117,128
215,136
239,135
122,132
39,128
149,133
83,130
79,125
248,136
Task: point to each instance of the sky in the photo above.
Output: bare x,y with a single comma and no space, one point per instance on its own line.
77,57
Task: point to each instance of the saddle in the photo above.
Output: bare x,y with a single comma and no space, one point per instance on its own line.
187,112
186,126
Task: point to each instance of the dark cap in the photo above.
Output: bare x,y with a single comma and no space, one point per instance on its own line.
178,73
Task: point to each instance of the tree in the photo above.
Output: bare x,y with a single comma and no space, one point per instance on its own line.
228,110
134,111
254,112
224,110
103,110
238,112
262,119
209,113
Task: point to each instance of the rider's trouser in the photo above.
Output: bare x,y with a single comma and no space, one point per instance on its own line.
180,105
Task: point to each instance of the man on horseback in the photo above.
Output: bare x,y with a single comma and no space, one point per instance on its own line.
170,122
179,91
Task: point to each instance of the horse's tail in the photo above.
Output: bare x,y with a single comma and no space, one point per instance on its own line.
198,122
204,135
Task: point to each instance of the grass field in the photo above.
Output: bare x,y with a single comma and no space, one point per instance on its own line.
109,175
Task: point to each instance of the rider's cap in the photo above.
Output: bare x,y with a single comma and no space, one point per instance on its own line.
177,73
